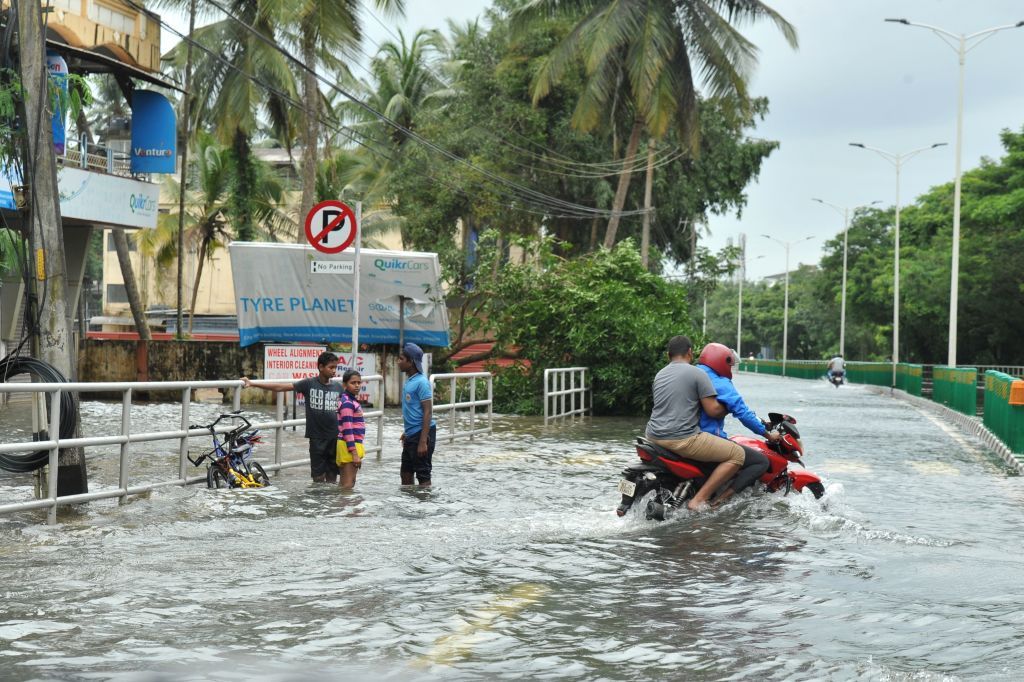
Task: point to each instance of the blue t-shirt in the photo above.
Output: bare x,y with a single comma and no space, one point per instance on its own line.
414,392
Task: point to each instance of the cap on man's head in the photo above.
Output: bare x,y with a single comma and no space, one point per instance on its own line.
415,355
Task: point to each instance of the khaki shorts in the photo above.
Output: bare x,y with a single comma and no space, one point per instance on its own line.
704,447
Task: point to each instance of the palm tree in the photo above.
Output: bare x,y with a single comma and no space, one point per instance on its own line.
650,51
208,210
322,31
228,100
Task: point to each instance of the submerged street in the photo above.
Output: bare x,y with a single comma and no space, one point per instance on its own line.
514,565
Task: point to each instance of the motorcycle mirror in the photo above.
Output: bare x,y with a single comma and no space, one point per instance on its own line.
778,418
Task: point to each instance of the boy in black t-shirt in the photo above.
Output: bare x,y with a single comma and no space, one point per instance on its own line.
322,398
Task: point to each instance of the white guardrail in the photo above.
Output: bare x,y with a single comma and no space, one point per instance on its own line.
453,404
126,437
556,392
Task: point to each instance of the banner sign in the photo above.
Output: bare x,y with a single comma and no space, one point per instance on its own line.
289,363
278,297
57,68
154,133
107,199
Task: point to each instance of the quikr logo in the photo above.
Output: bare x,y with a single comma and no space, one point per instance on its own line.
140,203
384,264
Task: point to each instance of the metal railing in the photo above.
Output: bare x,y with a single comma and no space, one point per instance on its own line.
455,404
556,392
82,154
125,438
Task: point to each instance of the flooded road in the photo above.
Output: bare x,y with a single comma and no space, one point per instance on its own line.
514,565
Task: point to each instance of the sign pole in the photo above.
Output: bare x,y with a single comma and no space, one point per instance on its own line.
355,304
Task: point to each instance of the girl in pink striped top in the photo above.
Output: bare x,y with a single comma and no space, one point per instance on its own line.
351,429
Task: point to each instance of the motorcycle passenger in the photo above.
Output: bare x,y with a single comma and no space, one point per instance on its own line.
717,362
680,391
836,367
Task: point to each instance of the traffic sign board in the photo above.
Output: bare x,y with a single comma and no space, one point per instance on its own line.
331,226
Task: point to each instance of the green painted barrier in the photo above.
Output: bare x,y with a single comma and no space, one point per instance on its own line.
908,378
874,373
956,387
1003,419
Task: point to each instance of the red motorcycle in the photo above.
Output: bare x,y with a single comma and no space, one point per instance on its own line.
675,479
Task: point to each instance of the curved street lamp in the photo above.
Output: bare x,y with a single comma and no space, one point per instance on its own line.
897,160
961,47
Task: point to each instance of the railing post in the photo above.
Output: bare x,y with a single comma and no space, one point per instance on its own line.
490,402
547,374
186,408
380,420
126,446
51,479
278,430
472,406
236,399
451,397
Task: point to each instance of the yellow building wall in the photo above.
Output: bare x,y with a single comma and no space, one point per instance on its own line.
130,35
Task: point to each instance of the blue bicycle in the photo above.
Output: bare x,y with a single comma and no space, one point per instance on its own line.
230,460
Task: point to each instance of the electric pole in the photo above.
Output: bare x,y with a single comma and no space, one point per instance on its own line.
53,342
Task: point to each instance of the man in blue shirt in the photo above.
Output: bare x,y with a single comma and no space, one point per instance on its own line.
717,362
420,432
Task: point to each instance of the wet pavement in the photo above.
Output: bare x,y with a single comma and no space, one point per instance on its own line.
514,564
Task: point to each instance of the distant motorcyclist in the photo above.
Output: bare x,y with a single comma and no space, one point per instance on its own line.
717,362
836,367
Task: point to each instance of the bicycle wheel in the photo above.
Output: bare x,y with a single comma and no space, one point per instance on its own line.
258,474
215,478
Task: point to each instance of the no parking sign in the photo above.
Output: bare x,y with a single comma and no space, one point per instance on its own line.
331,226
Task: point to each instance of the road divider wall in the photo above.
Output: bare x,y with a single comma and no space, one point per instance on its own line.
1004,418
956,387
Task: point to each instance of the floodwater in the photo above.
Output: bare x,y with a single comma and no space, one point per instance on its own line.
515,566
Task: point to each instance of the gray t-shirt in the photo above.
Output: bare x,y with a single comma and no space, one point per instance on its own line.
321,407
678,388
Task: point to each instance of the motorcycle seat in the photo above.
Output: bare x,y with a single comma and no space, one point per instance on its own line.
657,450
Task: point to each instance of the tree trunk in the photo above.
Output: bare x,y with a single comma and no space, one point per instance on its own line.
131,287
245,188
311,131
195,286
186,109
645,234
52,340
620,193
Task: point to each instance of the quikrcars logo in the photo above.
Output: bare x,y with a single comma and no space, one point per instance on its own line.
384,265
140,203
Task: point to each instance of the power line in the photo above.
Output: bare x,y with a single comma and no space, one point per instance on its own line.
538,197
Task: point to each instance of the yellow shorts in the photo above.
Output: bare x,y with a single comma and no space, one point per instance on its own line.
344,456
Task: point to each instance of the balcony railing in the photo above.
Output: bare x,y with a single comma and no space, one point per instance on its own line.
80,153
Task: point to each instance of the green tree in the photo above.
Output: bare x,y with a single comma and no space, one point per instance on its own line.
650,51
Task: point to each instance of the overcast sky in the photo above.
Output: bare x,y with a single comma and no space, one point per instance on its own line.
853,79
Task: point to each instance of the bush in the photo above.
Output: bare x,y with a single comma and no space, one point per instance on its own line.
603,311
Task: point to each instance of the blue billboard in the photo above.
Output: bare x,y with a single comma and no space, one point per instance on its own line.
57,68
154,133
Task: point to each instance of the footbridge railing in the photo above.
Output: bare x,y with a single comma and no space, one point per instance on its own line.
460,390
566,392
128,436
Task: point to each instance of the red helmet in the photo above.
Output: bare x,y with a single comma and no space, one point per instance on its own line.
719,358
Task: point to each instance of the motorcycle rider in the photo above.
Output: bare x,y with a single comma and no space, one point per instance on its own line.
680,392
717,361
836,367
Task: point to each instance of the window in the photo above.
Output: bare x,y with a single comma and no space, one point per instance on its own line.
116,293
111,18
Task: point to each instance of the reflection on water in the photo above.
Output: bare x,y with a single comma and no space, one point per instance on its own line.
514,565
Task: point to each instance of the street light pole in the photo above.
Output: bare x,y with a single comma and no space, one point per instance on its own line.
785,304
739,304
846,231
897,160
961,48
